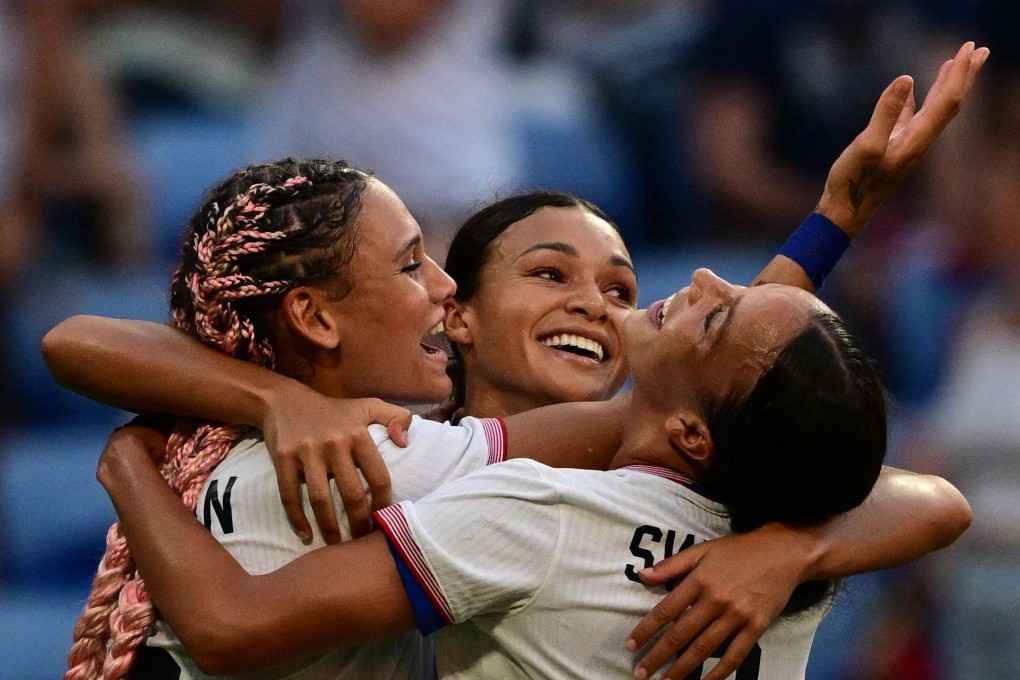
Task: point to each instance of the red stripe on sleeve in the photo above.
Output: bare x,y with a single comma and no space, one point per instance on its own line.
394,524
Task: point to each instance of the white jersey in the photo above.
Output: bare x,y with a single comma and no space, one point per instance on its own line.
240,504
536,566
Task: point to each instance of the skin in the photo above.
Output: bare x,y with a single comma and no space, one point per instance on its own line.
303,607
721,336
558,271
894,141
398,293
322,334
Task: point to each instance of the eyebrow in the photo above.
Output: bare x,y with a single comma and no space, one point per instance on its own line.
729,317
567,249
411,244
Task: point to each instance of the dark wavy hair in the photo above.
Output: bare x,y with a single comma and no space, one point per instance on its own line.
807,443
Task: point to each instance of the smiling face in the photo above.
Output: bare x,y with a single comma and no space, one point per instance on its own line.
395,303
712,340
544,326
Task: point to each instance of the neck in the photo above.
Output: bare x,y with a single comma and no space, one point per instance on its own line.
493,403
324,378
645,442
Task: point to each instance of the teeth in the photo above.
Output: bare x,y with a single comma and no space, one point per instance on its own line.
576,341
665,308
438,328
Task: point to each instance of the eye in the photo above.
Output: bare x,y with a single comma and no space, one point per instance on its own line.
711,315
622,294
411,268
548,273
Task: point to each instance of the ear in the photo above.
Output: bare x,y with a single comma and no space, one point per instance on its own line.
458,322
689,434
308,314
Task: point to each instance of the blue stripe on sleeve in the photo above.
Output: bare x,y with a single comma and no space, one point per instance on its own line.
428,617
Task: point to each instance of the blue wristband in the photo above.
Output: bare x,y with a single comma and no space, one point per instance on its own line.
816,246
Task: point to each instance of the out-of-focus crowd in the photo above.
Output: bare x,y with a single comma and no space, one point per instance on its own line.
704,127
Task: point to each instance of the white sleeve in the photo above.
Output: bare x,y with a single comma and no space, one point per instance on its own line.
438,453
483,544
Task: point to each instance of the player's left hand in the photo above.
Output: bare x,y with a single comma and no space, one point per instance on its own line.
315,438
895,140
732,588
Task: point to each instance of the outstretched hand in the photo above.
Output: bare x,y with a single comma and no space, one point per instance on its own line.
316,438
896,139
731,588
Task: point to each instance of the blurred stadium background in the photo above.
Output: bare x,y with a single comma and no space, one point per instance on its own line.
705,127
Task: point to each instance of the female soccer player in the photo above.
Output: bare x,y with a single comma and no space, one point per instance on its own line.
909,145
748,406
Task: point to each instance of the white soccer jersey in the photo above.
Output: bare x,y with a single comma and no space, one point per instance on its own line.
240,504
536,566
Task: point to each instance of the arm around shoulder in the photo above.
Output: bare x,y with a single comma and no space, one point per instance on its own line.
928,513
144,366
229,620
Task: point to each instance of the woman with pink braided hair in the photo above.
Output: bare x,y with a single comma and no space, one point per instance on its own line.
277,268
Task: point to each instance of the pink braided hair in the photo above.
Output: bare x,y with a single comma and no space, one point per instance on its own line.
119,613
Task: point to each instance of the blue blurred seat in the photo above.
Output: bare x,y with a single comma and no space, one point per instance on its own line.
54,513
37,623
53,521
42,300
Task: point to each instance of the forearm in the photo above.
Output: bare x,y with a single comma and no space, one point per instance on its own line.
192,588
573,435
228,620
149,367
906,516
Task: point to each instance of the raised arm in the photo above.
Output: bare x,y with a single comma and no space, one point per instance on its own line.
738,585
877,161
149,367
230,621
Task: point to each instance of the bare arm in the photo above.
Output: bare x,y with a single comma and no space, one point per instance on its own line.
149,367
738,585
885,153
230,621
582,435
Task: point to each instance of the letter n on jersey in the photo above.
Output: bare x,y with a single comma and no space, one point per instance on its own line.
212,503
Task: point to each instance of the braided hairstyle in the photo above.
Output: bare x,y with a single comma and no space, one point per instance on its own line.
263,231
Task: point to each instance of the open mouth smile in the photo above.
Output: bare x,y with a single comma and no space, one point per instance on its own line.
434,341
576,344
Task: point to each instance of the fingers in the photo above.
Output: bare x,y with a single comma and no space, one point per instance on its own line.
320,494
372,466
397,430
288,480
738,650
907,113
396,418
673,567
977,60
663,614
674,603
700,634
947,93
701,649
891,105
676,638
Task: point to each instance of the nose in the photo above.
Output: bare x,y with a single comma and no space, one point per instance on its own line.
705,282
587,300
440,286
